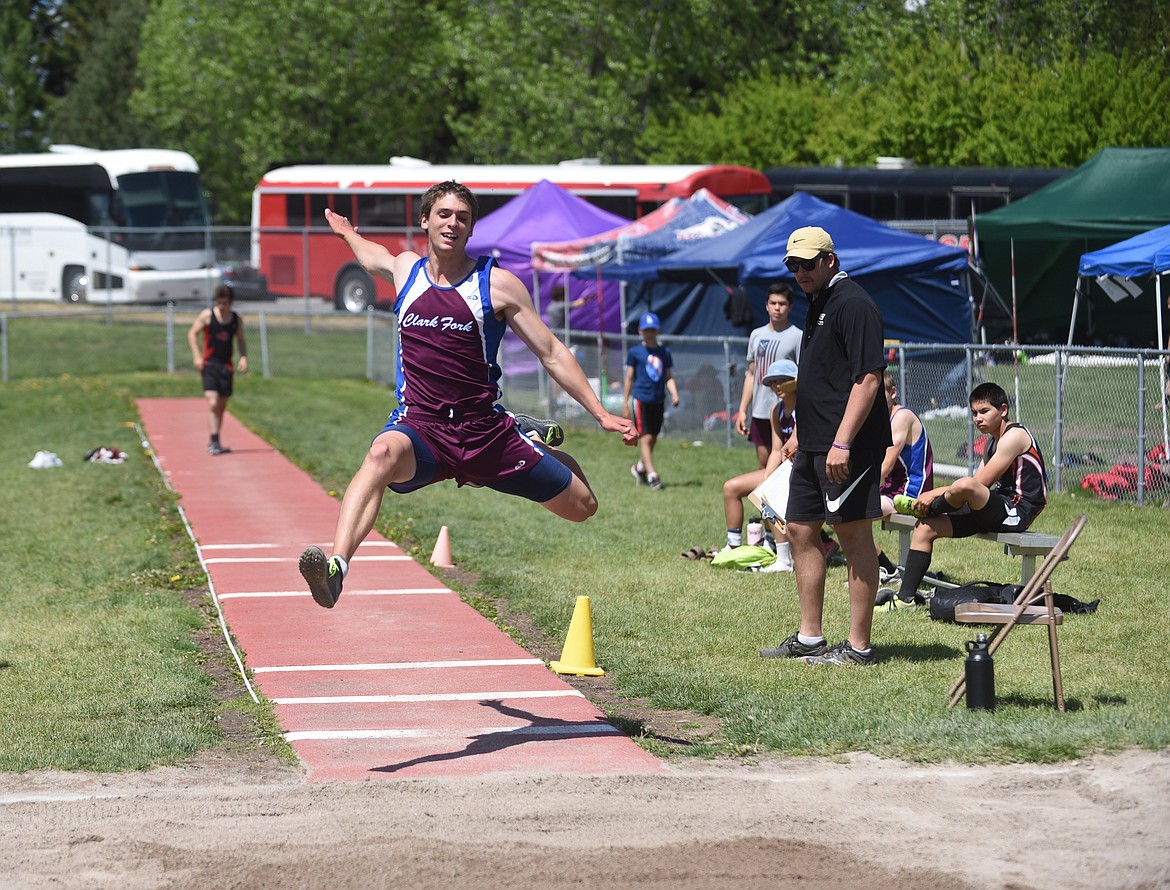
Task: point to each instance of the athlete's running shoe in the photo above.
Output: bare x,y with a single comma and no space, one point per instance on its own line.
794,648
843,654
904,504
639,473
654,482
322,575
547,432
215,448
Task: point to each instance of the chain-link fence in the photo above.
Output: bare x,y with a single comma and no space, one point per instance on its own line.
282,341
1099,415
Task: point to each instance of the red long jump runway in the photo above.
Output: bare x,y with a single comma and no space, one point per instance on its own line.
401,678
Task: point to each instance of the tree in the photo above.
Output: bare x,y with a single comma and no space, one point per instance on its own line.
96,109
246,86
542,82
19,90
940,91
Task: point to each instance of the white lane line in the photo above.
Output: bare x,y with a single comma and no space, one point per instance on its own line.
263,594
325,546
397,666
254,559
438,696
555,729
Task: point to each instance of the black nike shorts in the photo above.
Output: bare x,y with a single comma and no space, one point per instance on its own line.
813,498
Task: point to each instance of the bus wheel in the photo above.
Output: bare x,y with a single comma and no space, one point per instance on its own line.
354,291
74,284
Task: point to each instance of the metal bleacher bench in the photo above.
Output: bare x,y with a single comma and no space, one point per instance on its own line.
1026,545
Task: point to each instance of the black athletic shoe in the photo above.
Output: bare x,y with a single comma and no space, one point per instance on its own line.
794,648
216,448
547,432
322,575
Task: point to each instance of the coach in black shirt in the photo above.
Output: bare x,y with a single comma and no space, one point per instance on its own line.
842,433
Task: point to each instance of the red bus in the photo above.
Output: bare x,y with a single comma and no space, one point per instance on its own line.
290,235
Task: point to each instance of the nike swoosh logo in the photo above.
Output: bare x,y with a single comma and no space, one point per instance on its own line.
834,504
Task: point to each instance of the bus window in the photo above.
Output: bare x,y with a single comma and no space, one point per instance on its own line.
343,205
317,205
295,205
382,211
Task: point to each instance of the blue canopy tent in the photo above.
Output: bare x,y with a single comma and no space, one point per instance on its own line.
1115,269
916,282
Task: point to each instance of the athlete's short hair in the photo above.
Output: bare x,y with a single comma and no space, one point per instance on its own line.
450,187
992,393
225,291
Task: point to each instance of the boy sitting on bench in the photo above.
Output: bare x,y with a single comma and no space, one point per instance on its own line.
1006,493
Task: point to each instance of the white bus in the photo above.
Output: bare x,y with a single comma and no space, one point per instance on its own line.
125,226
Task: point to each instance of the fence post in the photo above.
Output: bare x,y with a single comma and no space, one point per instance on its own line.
4,344
170,337
305,271
370,342
1058,421
264,344
1141,419
727,373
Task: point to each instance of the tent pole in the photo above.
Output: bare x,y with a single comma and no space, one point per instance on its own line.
1076,305
1162,369
1015,332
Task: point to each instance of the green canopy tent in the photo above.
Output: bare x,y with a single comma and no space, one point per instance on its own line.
1118,193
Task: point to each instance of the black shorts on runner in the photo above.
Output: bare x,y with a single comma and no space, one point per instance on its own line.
217,377
648,416
812,498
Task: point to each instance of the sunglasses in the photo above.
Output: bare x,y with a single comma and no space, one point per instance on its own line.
806,265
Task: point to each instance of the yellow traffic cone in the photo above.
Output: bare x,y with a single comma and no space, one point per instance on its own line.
441,555
577,656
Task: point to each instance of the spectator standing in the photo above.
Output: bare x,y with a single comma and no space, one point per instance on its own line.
776,340
648,381
841,436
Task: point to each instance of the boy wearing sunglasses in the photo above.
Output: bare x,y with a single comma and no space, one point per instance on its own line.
842,433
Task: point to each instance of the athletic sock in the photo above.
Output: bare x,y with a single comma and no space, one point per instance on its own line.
809,641
734,537
917,562
343,565
939,506
886,563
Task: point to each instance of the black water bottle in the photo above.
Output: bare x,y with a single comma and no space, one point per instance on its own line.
980,675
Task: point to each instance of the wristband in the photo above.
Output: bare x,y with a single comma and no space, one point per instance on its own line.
841,447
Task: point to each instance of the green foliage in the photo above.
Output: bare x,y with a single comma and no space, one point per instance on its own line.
95,111
683,635
346,82
936,101
99,671
19,91
249,85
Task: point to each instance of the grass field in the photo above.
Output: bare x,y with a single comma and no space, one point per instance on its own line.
99,668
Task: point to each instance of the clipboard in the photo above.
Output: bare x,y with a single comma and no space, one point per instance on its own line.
770,497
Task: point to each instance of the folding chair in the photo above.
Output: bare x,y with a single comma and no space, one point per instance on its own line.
1033,605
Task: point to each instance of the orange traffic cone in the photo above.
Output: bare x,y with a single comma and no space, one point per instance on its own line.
441,555
577,656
